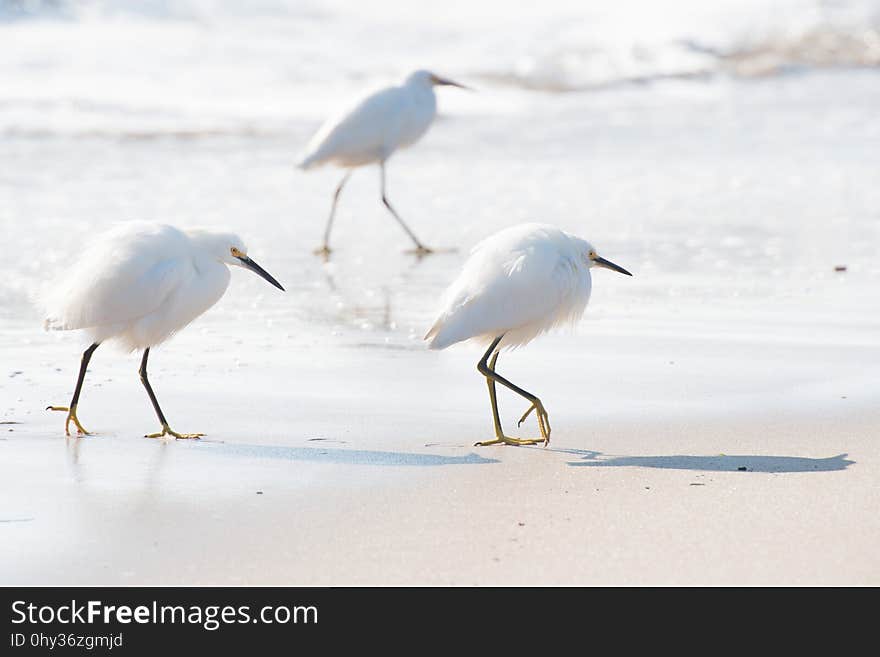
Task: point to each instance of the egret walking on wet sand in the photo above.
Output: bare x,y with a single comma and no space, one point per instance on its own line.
517,284
369,131
138,284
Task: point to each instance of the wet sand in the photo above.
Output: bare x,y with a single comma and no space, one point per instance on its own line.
350,473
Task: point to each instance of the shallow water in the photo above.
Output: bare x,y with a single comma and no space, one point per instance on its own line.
737,197
732,199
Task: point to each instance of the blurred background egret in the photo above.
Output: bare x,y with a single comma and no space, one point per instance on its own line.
370,130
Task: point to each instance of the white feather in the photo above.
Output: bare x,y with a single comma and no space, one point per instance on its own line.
139,283
520,282
376,125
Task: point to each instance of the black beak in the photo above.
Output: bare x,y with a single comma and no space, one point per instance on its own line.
446,82
254,267
607,264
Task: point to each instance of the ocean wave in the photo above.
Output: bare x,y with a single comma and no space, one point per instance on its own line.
585,68
745,39
220,67
819,47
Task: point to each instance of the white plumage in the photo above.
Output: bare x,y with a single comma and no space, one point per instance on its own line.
370,130
517,284
138,284
521,282
141,282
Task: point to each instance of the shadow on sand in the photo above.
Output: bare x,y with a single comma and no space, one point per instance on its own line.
344,456
720,463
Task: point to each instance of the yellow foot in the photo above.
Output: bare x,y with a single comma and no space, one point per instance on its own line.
505,440
420,251
71,417
323,251
543,419
167,431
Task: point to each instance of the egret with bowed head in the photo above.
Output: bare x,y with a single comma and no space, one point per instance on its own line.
137,285
517,284
369,132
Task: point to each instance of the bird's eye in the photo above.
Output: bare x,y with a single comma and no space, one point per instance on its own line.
592,255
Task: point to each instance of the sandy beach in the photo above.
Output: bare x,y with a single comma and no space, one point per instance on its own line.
715,417
374,485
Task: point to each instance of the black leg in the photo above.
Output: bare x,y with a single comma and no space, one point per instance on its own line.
420,248
325,249
487,369
143,372
71,410
166,430
87,356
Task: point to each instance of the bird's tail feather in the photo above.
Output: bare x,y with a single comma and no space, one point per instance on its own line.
431,336
438,338
308,161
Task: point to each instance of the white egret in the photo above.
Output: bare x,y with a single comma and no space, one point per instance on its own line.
138,284
517,284
370,130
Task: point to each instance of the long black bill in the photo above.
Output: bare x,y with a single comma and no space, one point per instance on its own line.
254,267
446,82
607,264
